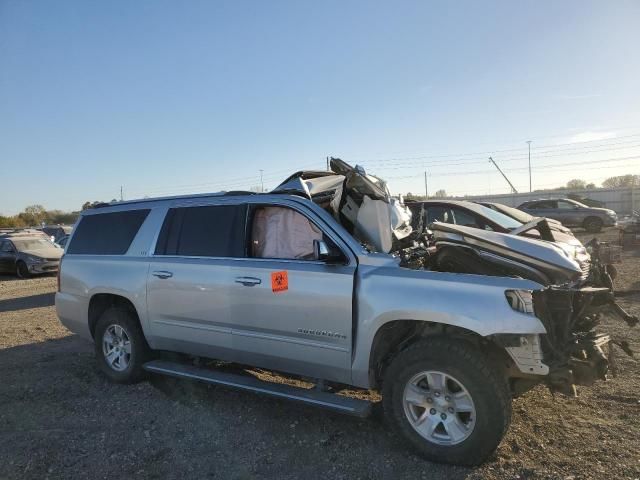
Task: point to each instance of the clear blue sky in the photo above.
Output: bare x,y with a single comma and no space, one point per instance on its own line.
168,97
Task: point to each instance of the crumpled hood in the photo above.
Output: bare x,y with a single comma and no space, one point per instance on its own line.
52,252
541,255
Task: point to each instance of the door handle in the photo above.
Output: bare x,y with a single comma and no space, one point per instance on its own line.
162,274
248,281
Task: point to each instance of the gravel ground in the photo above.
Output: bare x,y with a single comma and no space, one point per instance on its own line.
60,418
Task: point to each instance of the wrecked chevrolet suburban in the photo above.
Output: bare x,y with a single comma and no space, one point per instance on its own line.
325,279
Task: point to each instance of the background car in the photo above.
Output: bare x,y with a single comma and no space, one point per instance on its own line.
62,242
571,213
27,255
56,232
471,214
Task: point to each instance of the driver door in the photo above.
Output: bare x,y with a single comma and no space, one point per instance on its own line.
291,312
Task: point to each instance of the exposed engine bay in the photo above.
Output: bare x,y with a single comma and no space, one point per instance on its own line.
575,295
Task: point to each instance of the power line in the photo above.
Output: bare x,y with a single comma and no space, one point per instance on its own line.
571,152
538,167
490,152
543,151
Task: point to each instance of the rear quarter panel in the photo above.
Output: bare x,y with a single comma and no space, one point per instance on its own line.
82,276
86,275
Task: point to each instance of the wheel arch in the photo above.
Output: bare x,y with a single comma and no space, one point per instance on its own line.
101,302
396,335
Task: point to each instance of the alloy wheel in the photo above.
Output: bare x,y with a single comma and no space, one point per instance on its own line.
439,408
116,347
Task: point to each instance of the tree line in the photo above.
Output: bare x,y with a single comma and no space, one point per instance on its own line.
620,181
35,215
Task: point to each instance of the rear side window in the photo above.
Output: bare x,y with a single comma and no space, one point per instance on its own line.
544,204
210,231
439,214
107,233
465,219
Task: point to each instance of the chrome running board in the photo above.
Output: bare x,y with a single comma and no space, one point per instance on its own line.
330,401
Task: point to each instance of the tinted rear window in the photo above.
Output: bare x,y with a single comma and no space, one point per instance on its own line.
107,233
210,231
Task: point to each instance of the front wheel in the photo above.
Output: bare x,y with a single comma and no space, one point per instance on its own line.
22,270
447,400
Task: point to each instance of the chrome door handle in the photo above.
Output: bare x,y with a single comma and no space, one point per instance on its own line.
248,281
162,274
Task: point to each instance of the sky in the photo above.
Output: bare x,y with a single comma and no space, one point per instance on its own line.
173,97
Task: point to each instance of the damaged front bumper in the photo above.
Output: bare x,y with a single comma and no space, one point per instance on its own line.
43,267
572,349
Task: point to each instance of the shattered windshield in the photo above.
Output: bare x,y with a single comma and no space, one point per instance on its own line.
499,218
519,215
32,244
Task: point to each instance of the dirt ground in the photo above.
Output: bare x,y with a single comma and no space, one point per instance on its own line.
60,418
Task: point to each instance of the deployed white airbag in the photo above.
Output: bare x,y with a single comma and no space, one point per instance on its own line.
373,224
280,232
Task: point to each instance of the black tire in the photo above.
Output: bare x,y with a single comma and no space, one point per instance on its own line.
483,381
592,224
22,271
139,349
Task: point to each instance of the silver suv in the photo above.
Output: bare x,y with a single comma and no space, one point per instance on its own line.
572,213
276,281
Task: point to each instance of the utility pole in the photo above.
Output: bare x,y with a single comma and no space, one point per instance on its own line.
513,189
328,164
426,190
120,192
261,183
529,142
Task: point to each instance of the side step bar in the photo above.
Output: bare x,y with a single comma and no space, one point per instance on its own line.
331,401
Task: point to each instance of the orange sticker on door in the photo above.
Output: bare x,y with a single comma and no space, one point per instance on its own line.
279,281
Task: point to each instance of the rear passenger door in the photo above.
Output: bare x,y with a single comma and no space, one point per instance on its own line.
291,312
567,213
190,278
543,208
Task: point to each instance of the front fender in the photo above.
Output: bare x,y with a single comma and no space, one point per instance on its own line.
473,302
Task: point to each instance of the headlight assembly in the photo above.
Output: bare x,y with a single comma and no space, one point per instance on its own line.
520,300
32,259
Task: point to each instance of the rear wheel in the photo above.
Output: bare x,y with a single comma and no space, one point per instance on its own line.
592,224
447,400
22,270
120,346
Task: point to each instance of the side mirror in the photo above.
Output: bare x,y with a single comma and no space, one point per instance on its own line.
576,207
322,253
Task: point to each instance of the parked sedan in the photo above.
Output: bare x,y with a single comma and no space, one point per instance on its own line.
62,241
56,232
472,214
28,255
572,213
